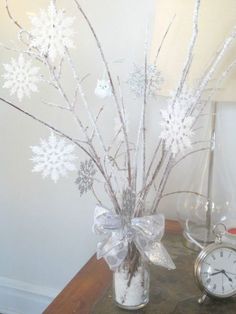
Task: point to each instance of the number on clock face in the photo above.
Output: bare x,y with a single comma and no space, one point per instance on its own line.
218,272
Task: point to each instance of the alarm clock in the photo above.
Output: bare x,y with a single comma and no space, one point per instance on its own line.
215,268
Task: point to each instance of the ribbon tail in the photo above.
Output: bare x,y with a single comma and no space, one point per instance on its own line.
157,254
149,232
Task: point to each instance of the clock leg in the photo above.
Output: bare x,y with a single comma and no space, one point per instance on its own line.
202,298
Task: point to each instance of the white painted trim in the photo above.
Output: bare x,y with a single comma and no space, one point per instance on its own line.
18,297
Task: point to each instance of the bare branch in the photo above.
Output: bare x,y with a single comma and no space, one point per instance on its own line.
191,153
107,70
182,192
190,50
163,39
55,105
49,126
10,15
96,196
162,184
153,158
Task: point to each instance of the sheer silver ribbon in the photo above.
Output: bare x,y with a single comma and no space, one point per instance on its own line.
146,233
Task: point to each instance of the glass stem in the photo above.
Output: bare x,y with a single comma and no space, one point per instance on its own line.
210,174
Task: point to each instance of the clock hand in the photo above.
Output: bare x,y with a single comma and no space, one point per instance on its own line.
230,273
223,283
224,272
217,269
216,273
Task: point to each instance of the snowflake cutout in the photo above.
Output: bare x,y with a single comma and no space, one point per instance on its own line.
20,77
176,129
103,89
85,177
51,32
136,80
53,158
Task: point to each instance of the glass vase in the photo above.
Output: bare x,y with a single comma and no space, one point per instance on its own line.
214,178
131,282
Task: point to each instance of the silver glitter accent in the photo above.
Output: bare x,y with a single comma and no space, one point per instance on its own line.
128,200
85,177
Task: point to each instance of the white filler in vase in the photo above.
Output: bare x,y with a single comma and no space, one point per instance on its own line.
132,293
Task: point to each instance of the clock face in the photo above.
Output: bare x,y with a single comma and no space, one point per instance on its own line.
218,272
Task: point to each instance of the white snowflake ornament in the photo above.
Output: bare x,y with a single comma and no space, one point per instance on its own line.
103,89
53,158
176,129
20,77
51,32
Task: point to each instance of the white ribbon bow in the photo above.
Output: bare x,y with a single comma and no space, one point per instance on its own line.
146,233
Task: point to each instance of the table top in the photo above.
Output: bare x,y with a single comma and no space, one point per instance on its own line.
172,291
90,283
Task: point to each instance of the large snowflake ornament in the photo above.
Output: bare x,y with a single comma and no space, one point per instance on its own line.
51,32
176,129
53,157
85,177
20,77
136,80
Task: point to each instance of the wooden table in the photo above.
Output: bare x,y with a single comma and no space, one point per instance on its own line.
172,292
87,287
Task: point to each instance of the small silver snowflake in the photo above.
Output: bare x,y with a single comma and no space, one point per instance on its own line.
53,157
21,77
136,80
176,129
51,32
85,177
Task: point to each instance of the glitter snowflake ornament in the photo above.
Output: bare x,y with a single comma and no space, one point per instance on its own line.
51,32
53,158
20,77
176,129
103,89
136,81
85,177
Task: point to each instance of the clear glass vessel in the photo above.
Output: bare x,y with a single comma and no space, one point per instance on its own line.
131,283
214,180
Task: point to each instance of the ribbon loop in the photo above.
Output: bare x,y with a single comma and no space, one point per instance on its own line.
105,221
146,233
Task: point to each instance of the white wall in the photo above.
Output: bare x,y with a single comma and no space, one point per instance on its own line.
45,229
216,22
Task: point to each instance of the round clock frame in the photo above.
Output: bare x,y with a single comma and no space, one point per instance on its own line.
198,267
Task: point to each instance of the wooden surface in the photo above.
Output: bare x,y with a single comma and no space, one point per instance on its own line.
89,285
172,291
